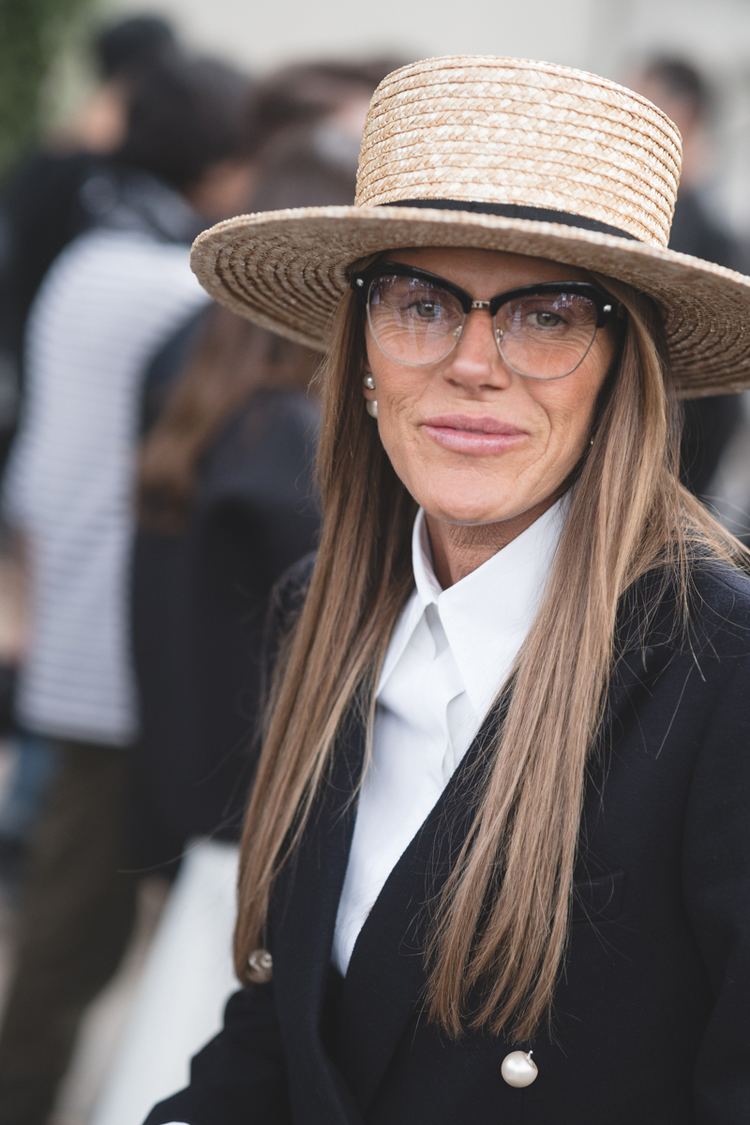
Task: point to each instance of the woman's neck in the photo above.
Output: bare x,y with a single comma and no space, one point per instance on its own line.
457,549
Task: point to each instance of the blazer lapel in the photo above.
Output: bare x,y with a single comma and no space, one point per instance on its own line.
303,917
385,982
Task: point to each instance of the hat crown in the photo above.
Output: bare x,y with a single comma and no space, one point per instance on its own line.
513,132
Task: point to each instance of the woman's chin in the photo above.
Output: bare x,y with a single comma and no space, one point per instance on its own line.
472,512
464,504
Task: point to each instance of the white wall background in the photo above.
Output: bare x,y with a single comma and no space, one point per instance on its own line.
601,35
581,32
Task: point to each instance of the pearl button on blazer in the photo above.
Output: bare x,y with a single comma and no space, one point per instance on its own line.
651,1022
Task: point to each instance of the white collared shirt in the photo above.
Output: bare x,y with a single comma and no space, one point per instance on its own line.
450,654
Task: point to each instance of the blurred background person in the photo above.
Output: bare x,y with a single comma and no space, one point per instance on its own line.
109,299
182,160
120,49
204,562
685,94
227,503
319,103
54,194
59,189
312,90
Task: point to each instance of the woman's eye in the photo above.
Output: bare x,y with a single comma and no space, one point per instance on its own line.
544,318
413,300
426,309
565,312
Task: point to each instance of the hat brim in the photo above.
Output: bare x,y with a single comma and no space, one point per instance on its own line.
287,270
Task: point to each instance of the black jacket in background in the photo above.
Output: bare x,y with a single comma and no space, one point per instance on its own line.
199,601
650,1022
709,423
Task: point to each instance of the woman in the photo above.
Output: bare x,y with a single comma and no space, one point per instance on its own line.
495,864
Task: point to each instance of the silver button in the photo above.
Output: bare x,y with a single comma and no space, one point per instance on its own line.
260,966
519,1069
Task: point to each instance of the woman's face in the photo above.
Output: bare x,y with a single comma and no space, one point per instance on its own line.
473,441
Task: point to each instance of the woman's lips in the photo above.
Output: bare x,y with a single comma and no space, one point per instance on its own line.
464,434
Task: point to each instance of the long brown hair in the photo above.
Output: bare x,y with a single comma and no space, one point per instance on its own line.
627,514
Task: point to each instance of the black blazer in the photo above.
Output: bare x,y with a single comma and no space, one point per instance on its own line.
651,1022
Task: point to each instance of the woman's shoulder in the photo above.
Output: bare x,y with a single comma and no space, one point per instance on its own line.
703,614
710,618
719,604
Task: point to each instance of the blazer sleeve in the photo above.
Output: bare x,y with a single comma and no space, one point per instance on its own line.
717,894
239,1078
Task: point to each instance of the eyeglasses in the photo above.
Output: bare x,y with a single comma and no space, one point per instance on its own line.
542,331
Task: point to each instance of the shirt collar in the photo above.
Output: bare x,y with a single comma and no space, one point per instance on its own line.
486,615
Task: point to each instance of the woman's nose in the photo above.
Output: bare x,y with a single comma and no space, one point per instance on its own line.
476,362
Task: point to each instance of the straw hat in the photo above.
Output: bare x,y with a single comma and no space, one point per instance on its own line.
502,154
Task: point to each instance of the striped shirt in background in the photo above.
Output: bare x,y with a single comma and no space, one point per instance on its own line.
106,305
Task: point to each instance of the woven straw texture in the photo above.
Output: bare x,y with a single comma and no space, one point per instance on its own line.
507,132
511,131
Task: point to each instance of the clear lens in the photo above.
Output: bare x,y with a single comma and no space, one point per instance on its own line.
542,335
546,335
413,321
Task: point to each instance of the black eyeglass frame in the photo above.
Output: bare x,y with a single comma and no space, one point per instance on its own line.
606,306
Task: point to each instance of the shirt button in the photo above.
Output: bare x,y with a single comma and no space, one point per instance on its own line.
260,966
519,1069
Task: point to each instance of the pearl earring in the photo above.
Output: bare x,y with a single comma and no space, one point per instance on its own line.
371,404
